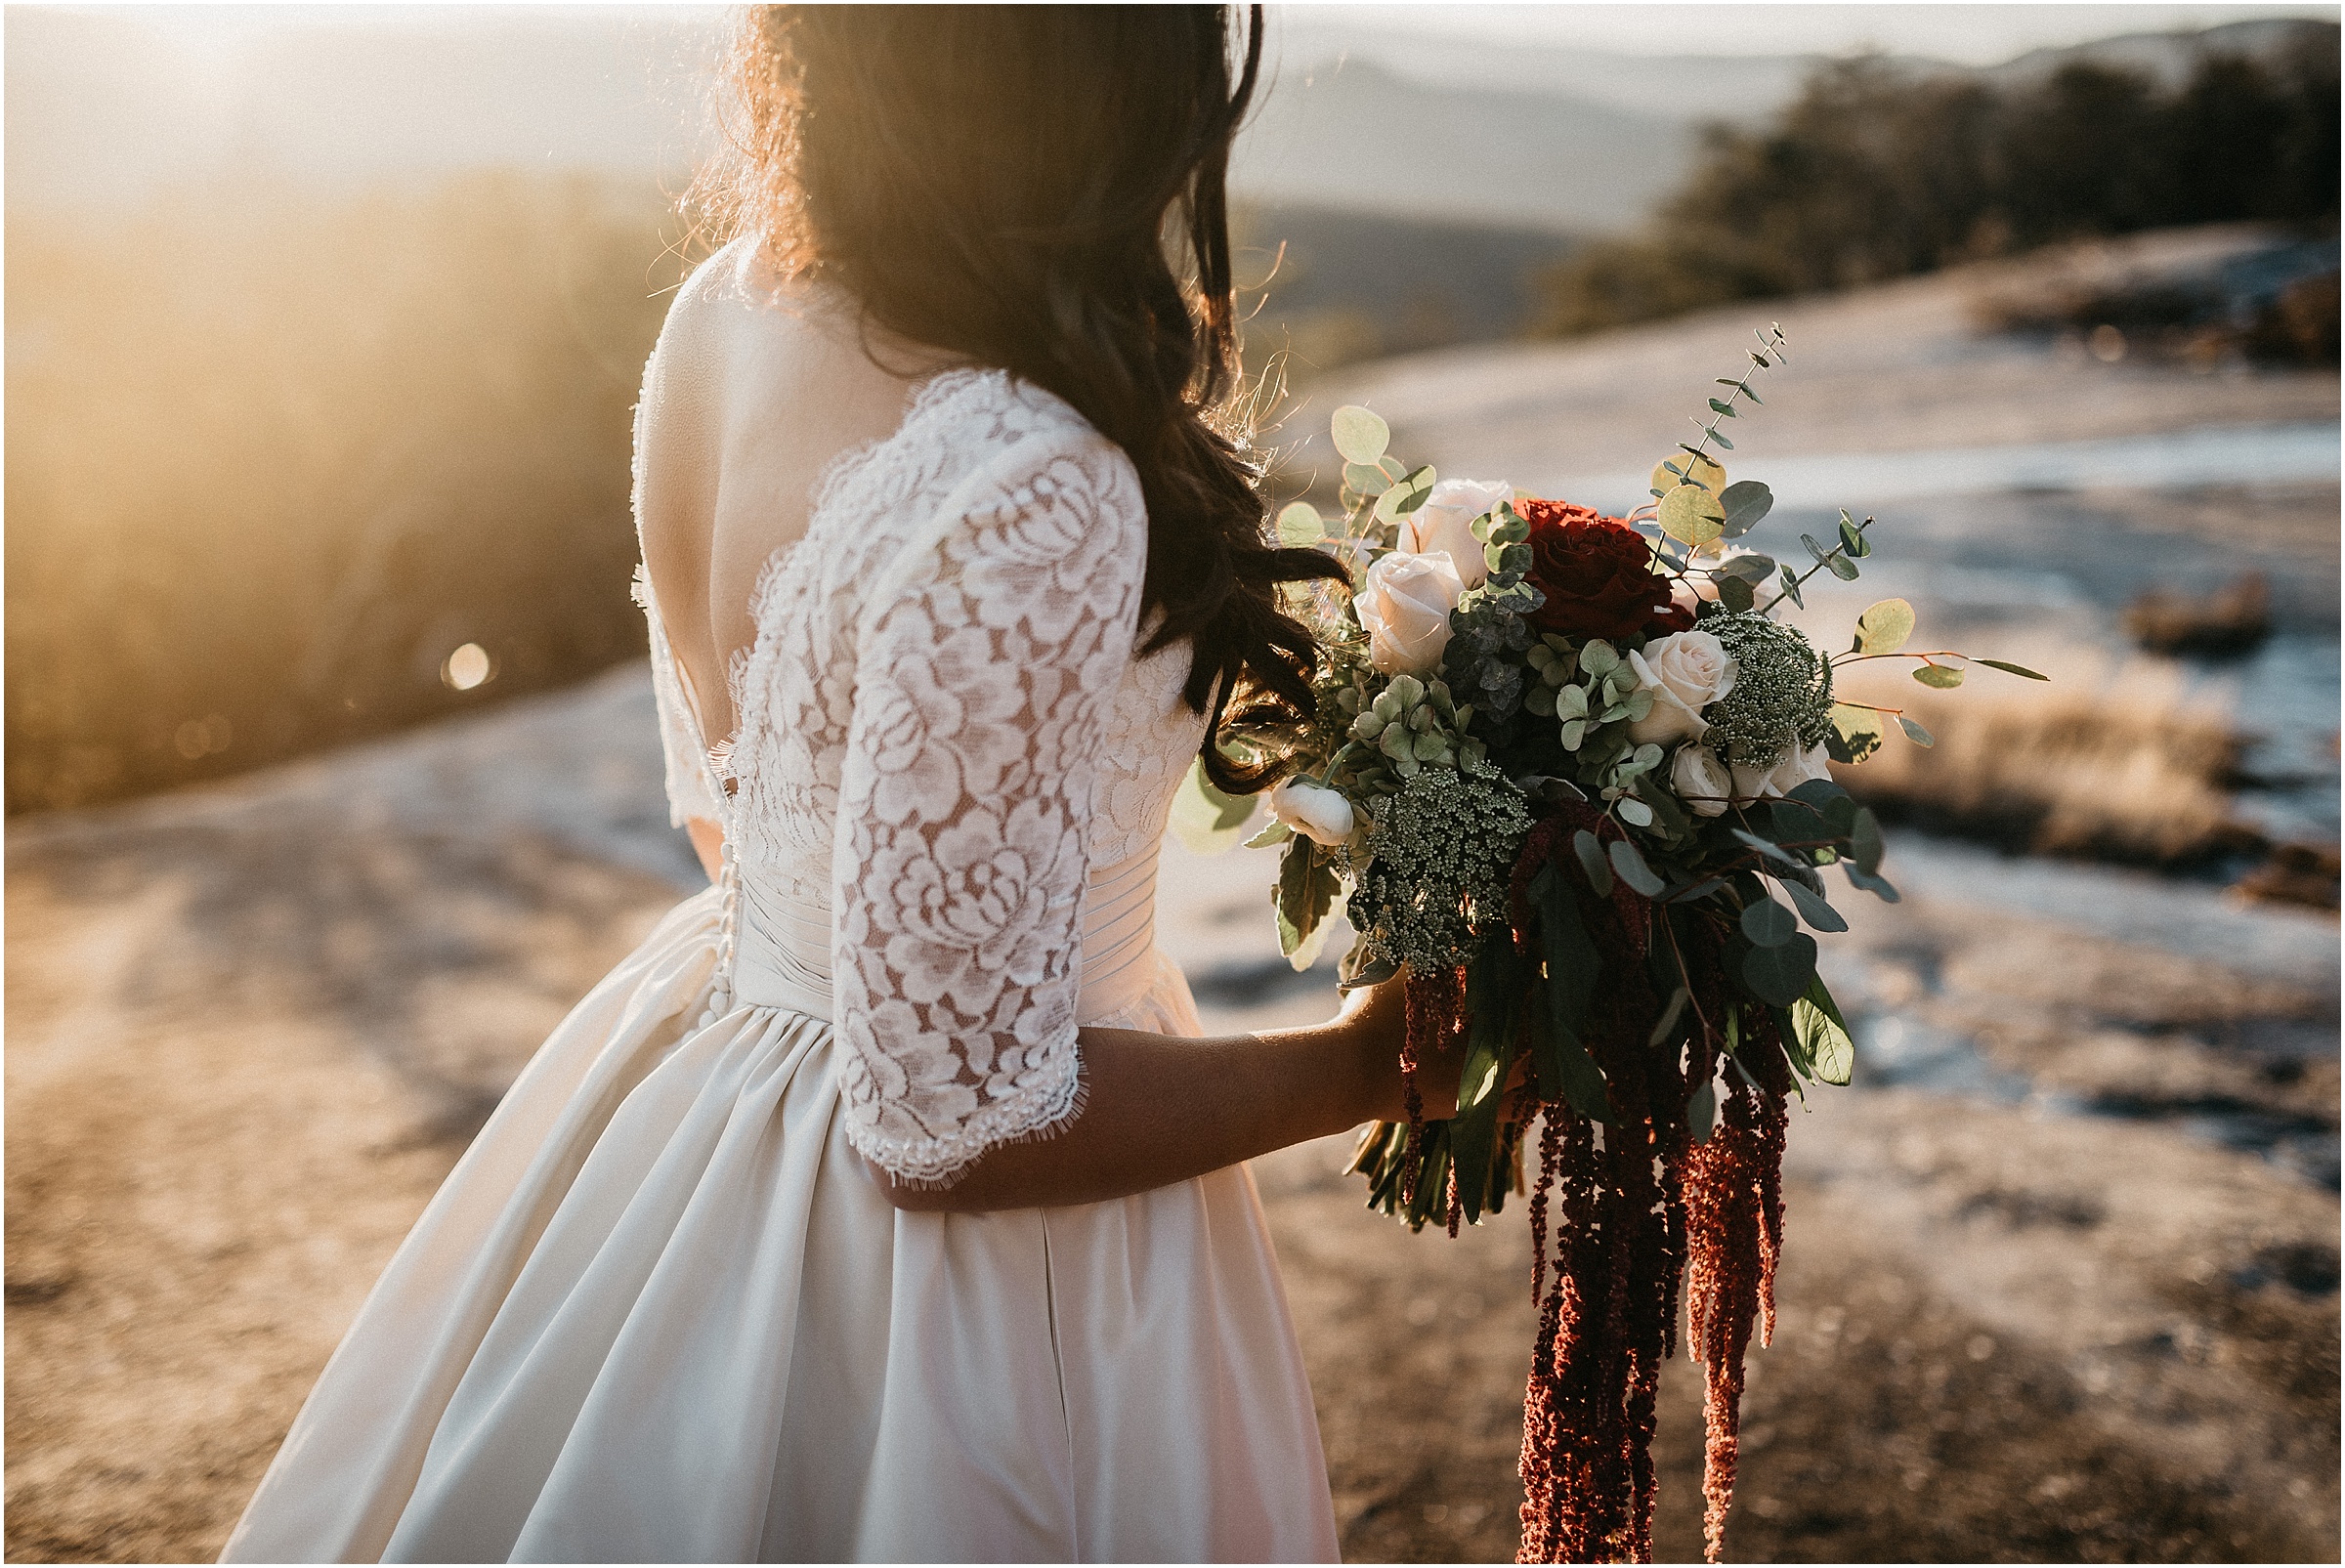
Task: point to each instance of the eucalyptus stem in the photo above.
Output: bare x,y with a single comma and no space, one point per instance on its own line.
1800,581
1839,660
1771,341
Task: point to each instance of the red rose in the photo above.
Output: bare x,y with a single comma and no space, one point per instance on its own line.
1598,576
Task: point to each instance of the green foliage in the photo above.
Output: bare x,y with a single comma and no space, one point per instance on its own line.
1206,820
1692,515
1884,628
1359,435
1823,1034
1300,523
1781,975
1574,970
1878,171
1747,503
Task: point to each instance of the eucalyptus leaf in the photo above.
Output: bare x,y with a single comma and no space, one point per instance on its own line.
1865,846
1878,886
1853,539
1717,406
1672,471
1771,851
1669,1015
1814,549
1366,480
1939,676
2013,669
1814,910
1856,731
1736,594
1637,814
1722,441
1816,1018
1791,587
1631,867
1823,795
1781,975
1884,628
1841,566
1592,863
1747,503
1915,732
1692,515
1769,924
1359,435
1753,568
1701,1110
1300,523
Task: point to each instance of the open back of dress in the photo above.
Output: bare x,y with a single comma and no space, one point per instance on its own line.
660,1311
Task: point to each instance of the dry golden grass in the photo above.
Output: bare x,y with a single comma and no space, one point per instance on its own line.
2117,759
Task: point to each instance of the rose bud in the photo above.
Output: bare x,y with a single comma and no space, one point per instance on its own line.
1319,813
1701,781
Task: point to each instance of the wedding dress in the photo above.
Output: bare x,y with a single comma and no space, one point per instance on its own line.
659,1310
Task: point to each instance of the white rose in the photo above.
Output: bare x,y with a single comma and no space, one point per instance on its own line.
1685,671
1319,813
1404,603
1445,523
1701,781
1795,769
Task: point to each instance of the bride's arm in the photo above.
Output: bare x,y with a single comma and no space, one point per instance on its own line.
1160,1107
987,659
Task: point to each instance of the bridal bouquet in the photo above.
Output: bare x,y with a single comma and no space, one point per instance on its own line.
1567,776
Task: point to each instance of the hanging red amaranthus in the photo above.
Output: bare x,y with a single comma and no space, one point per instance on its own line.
1637,1204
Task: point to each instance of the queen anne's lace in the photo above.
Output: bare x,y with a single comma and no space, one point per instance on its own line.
943,727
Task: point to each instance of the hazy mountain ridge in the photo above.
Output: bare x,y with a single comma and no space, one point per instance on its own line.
102,106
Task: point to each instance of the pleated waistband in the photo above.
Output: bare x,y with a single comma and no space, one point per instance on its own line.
782,946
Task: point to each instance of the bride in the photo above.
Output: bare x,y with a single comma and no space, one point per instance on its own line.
884,1204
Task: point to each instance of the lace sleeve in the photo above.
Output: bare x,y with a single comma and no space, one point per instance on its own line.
983,679
691,784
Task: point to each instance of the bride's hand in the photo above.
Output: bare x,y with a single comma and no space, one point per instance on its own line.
1376,1019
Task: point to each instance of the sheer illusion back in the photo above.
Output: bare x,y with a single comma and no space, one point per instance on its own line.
941,731
660,1311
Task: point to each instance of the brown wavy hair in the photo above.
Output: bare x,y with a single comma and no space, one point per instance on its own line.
1041,189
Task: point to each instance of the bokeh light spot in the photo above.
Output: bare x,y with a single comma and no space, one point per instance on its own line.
467,667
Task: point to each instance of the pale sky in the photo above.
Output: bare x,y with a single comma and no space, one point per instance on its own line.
1964,35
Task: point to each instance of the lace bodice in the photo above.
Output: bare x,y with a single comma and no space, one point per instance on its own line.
943,731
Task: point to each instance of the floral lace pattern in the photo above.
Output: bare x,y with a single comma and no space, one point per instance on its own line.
942,728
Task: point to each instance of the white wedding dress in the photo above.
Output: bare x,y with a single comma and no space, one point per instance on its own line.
660,1311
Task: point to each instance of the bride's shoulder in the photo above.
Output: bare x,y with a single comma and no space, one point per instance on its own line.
730,296
1014,441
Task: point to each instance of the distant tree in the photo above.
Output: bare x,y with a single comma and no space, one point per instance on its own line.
1878,172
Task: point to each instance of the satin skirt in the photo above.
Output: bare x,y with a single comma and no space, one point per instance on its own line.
660,1313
